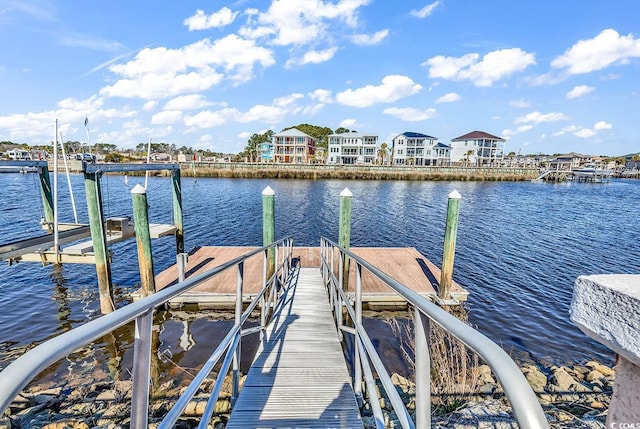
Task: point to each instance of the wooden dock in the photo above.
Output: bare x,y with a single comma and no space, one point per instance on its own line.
406,265
299,377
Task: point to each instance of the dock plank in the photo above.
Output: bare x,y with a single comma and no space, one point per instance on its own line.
299,377
406,265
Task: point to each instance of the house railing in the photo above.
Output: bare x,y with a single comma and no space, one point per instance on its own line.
24,369
525,406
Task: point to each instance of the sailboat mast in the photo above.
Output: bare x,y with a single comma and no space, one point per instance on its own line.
56,243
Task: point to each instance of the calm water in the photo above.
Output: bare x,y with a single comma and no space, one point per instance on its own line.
520,248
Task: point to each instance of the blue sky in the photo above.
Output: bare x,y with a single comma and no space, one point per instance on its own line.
549,76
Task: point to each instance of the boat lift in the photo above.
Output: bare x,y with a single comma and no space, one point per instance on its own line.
103,232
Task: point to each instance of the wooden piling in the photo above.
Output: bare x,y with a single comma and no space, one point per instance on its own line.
99,241
269,226
46,193
449,250
177,209
344,232
143,239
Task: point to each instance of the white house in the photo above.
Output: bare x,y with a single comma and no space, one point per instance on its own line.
292,146
352,148
411,148
478,148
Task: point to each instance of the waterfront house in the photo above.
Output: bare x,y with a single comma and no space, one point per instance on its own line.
352,148
478,148
293,146
569,162
410,148
265,150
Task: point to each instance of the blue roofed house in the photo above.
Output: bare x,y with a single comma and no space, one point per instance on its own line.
411,148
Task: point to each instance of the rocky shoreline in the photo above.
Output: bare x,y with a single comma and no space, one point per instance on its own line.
572,397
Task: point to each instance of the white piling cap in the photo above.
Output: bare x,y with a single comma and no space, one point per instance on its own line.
268,191
346,193
139,189
454,194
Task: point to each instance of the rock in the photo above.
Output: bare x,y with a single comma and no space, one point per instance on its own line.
537,380
487,414
603,369
594,375
487,389
484,374
406,386
562,380
5,422
67,424
597,405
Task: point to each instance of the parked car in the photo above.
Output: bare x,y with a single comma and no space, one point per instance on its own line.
87,157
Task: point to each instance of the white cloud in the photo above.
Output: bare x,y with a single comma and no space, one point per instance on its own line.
585,133
521,129
448,98
208,119
579,91
313,57
244,135
370,39
271,114
162,72
347,123
149,105
494,66
264,113
605,49
602,125
569,129
393,88
425,11
187,102
410,114
200,21
299,22
321,95
537,117
519,103
167,117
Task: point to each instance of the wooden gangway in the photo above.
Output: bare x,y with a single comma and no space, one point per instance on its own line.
299,377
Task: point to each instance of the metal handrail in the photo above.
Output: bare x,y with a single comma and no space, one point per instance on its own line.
24,369
525,406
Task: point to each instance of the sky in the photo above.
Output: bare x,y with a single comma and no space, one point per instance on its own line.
549,76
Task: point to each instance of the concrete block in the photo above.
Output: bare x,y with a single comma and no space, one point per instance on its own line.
606,307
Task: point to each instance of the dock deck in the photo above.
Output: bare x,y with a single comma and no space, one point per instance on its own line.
406,265
299,377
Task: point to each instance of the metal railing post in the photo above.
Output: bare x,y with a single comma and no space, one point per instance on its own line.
181,263
263,300
141,370
238,354
357,378
423,370
339,298
276,279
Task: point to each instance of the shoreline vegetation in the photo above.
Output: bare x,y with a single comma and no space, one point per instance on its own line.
355,172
